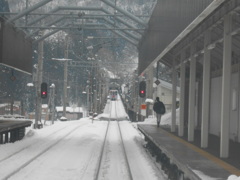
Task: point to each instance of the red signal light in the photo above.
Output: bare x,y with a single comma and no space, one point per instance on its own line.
44,90
142,89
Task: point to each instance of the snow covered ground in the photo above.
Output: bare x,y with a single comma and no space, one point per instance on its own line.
71,149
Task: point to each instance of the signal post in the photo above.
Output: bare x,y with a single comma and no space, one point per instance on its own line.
142,94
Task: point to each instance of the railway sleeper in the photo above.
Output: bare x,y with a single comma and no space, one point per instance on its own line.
169,168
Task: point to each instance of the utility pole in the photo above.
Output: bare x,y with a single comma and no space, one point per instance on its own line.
38,112
87,100
52,101
65,77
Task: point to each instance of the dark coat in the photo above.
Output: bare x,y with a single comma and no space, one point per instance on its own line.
159,107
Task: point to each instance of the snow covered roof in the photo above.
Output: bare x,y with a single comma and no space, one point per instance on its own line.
44,106
149,100
4,105
70,109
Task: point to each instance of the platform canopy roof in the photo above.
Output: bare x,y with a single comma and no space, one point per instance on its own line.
105,15
210,20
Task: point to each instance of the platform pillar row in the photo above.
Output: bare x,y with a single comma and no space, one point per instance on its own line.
182,94
174,95
226,86
1,138
192,93
206,90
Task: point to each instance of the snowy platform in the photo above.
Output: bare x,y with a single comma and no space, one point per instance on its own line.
12,130
193,161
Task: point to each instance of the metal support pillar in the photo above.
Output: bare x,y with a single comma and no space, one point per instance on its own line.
226,86
182,96
150,91
206,91
6,138
1,138
174,95
192,94
151,82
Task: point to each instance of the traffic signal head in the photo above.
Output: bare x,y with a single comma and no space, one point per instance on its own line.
44,90
142,89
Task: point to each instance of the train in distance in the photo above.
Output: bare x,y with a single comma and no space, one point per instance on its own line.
113,95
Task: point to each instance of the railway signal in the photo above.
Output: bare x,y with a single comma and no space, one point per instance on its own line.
44,90
142,89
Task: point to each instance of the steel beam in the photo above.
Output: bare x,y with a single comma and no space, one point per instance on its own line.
49,24
131,16
132,28
121,35
46,36
120,20
62,14
28,10
64,8
64,27
124,31
79,26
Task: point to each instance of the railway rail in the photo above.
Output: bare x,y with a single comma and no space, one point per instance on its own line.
113,126
43,148
29,146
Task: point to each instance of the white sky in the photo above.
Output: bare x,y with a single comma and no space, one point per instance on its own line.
70,150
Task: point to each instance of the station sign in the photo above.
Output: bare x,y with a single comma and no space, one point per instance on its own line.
143,109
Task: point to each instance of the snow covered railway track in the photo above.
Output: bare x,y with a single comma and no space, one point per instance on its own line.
43,149
121,167
26,147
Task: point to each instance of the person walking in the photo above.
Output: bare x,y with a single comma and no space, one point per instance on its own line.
159,109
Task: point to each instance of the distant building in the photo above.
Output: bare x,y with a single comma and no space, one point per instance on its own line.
10,108
72,113
164,92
